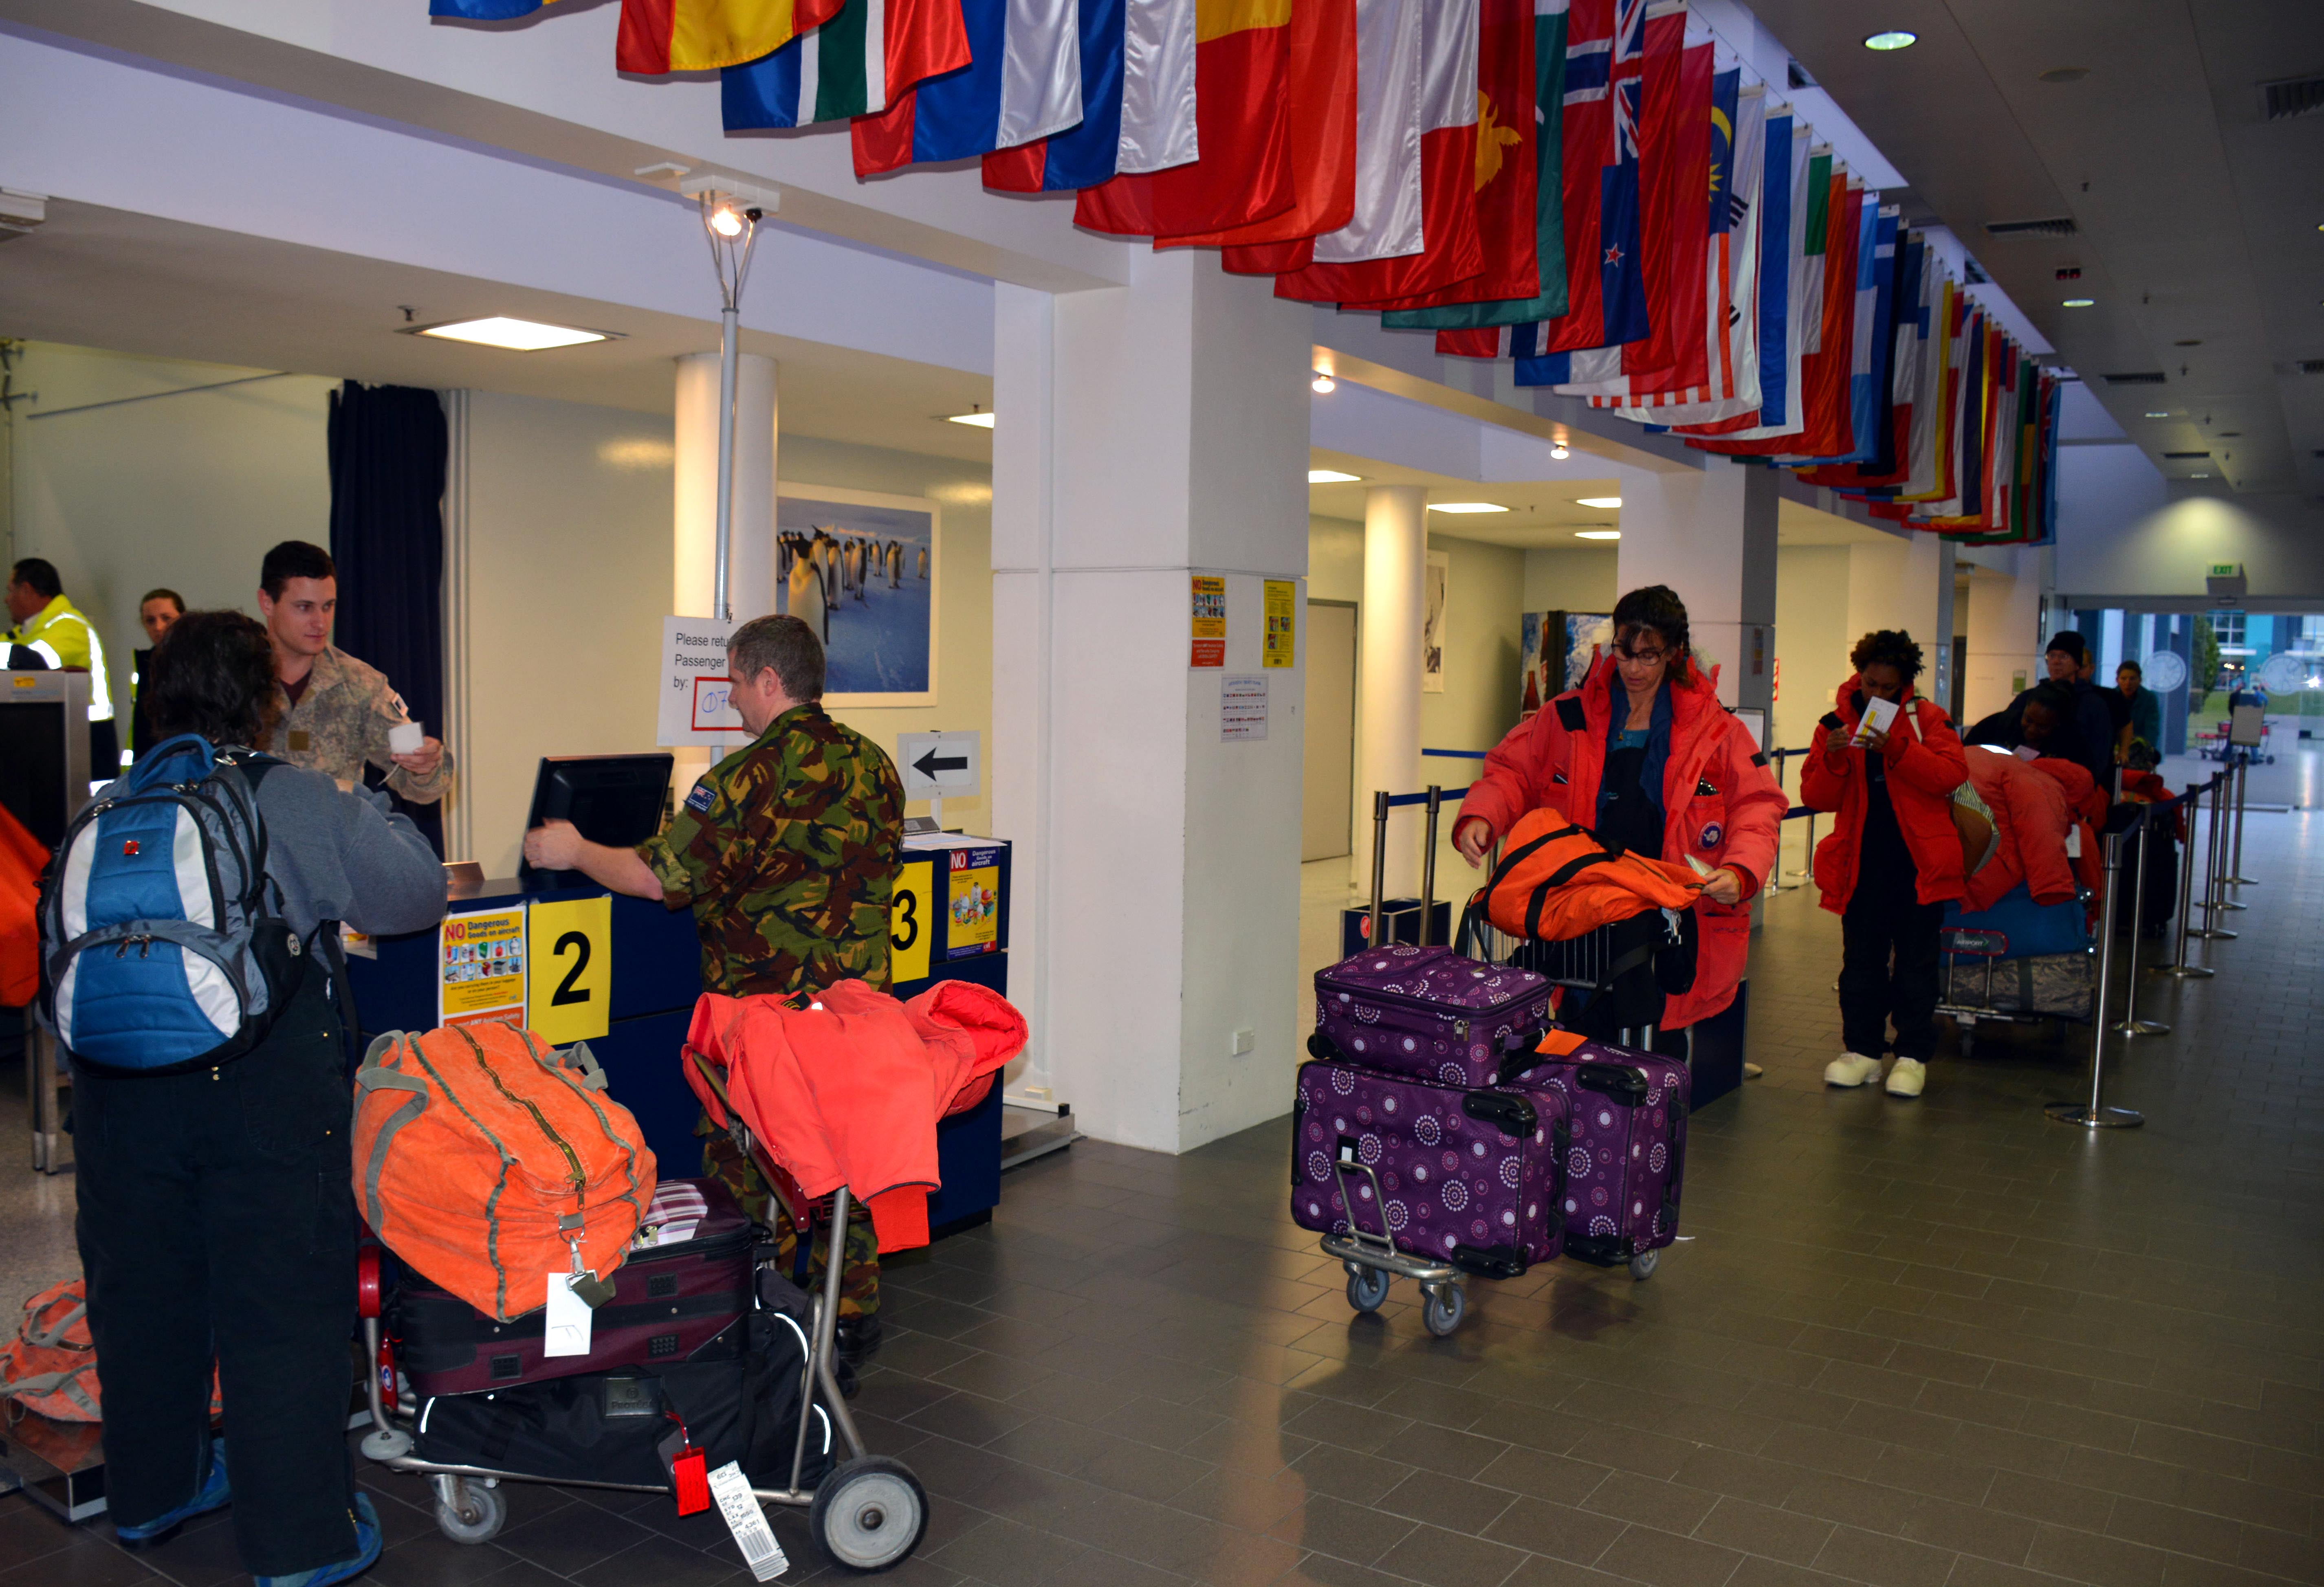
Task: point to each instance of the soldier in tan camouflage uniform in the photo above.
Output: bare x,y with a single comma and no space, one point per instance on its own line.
787,852
340,709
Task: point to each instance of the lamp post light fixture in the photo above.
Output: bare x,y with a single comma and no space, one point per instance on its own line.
730,213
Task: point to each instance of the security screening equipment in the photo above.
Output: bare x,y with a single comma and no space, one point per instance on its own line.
44,770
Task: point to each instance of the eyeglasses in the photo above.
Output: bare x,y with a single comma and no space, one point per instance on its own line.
1642,658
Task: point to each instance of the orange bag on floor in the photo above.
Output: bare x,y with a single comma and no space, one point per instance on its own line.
487,1160
1556,882
50,1369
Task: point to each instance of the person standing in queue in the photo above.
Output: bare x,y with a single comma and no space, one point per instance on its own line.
53,629
156,613
1645,755
2141,710
340,711
1891,861
788,853
217,1218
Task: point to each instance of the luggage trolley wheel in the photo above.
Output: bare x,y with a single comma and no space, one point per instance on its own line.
1447,1305
469,1512
1366,1287
869,1514
1644,1264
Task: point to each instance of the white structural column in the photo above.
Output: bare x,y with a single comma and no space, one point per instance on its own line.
1388,670
1709,534
694,522
2004,628
1148,435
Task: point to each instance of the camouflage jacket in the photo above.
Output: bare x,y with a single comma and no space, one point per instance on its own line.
787,850
341,721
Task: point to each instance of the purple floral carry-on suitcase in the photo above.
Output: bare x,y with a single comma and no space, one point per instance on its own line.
1429,1011
1467,1176
1628,1151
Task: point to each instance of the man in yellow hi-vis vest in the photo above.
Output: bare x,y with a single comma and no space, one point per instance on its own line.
50,627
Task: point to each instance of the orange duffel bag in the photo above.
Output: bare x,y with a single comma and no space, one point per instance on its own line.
488,1161
1557,880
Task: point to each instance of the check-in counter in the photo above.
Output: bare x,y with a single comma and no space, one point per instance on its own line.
622,974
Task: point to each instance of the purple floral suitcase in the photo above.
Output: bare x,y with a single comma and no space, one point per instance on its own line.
1627,1153
1428,1012
1466,1176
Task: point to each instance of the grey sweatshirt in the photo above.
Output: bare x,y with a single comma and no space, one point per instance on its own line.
344,856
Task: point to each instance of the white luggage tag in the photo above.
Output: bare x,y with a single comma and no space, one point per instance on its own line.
566,1330
747,1522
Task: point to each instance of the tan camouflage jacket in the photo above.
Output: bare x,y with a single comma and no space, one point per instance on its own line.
341,721
787,852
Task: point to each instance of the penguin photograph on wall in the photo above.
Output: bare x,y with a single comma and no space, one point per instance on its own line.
861,569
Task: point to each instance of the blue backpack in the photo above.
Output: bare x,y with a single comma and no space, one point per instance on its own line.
162,943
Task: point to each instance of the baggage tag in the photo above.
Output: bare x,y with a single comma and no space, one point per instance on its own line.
565,1329
689,1473
747,1522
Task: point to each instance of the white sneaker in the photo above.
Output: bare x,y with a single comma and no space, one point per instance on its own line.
1907,1077
1851,1069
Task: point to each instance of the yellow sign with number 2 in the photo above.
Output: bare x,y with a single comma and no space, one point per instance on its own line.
572,969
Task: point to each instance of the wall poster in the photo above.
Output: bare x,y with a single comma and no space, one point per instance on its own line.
1280,647
861,568
1207,617
1435,580
480,971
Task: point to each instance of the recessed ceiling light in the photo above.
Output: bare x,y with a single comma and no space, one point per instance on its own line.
982,417
1607,502
2079,303
1894,39
519,335
2198,476
1466,507
1331,477
1597,534
2158,416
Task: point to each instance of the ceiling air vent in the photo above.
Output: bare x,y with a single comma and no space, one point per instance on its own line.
2145,377
2185,456
2060,226
2293,97
2312,366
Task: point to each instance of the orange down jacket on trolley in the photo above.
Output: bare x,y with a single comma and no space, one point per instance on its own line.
2031,814
1719,805
848,1090
1556,882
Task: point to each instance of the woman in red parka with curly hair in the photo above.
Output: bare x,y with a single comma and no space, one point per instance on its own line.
1892,862
1645,755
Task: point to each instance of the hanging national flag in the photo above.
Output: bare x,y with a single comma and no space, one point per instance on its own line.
1548,298
1490,341
1505,183
658,37
1450,250
1322,130
1738,185
1854,391
1783,237
1084,155
1243,173
831,73
484,10
1023,81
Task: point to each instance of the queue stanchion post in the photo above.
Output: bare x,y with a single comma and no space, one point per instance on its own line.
2094,1114
2214,865
1776,872
2231,833
1807,861
1428,868
1379,865
2236,877
2131,1024
2190,808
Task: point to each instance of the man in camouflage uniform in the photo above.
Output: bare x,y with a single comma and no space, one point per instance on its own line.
787,852
340,710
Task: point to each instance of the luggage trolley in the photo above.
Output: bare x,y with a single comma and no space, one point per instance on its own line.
2017,963
1372,1261
867,1514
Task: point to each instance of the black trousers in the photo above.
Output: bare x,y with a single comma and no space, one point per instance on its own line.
1888,970
217,1222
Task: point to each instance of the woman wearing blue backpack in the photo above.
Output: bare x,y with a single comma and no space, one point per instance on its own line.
185,927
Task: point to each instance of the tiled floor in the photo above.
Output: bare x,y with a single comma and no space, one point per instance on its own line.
1942,1343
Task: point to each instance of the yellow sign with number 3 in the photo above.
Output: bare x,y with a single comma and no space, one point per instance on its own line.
910,924
571,970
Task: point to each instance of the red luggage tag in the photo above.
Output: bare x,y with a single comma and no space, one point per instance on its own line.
689,1474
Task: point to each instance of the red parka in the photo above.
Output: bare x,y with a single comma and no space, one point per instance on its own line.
1924,765
1719,804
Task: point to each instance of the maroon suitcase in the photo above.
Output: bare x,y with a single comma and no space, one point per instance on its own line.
1469,1176
1428,1012
671,1302
1627,1154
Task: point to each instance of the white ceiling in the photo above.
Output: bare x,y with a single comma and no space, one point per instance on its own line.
2198,220
132,283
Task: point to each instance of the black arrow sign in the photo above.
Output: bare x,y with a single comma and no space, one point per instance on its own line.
929,764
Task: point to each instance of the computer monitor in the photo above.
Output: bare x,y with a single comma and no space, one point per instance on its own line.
613,799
